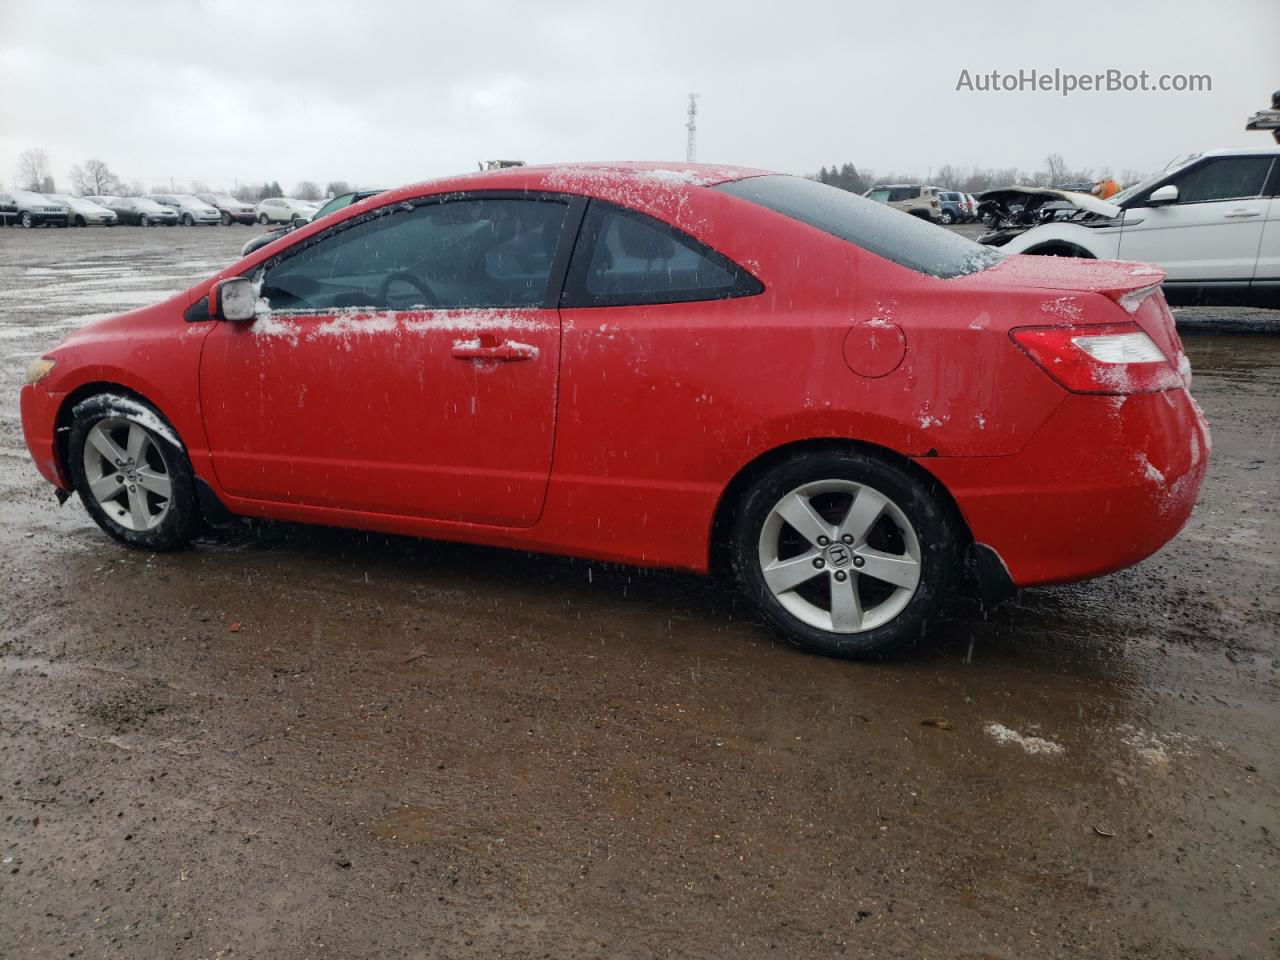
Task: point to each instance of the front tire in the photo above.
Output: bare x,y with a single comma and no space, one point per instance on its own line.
28,221
845,554
144,220
132,477
188,220
263,219
226,219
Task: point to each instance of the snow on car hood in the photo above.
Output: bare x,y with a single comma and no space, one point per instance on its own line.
1083,201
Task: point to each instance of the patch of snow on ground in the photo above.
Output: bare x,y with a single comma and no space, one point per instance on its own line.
1033,745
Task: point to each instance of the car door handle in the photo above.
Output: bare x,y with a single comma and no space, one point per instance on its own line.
488,347
1242,212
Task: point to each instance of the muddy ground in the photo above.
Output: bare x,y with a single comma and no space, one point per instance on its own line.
302,743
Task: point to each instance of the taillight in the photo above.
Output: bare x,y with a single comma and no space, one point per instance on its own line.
1110,358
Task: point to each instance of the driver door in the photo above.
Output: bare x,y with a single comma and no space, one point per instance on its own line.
407,366
1212,231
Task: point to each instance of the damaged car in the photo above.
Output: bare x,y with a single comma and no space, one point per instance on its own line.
1211,223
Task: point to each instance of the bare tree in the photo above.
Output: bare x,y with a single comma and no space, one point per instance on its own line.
307,190
337,188
94,179
1055,168
247,192
199,186
33,169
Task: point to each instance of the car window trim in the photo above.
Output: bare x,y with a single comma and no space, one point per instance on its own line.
575,211
574,294
1269,180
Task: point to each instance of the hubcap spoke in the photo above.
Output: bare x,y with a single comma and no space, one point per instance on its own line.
784,575
155,482
797,511
846,606
106,446
901,571
105,487
863,513
138,512
136,443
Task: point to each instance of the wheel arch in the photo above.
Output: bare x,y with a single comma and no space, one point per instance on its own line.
719,541
1060,248
62,422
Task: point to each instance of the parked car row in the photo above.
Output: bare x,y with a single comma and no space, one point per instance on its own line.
928,203
335,203
60,210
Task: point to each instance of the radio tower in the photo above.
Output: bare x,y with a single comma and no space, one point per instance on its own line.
691,145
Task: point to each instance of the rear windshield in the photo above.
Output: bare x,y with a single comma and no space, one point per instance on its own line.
906,240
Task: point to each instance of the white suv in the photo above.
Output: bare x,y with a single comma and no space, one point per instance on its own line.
1212,224
282,210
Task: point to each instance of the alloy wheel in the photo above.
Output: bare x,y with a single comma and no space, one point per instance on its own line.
839,556
126,473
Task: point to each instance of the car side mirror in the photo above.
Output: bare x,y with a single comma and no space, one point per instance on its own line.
1163,195
233,299
300,222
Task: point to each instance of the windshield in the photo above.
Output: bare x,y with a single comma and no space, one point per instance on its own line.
906,240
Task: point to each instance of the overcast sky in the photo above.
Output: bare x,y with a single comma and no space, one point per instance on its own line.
383,92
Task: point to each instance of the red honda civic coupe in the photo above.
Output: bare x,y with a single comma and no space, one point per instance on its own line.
848,408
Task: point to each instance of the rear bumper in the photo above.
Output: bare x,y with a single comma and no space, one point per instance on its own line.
39,410
1104,483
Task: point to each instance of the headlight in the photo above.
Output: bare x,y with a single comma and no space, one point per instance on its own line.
38,369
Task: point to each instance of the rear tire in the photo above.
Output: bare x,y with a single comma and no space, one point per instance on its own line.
947,217
144,220
821,588
135,483
80,222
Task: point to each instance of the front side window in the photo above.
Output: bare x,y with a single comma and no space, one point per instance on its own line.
1230,178
625,258
458,254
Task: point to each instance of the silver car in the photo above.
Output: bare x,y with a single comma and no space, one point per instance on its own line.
191,210
83,212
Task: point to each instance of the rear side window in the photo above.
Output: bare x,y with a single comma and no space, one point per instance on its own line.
896,236
1231,178
625,258
899,194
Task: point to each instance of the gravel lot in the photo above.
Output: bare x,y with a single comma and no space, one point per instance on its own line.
296,743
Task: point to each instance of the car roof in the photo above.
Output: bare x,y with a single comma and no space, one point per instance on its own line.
1272,151
588,177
